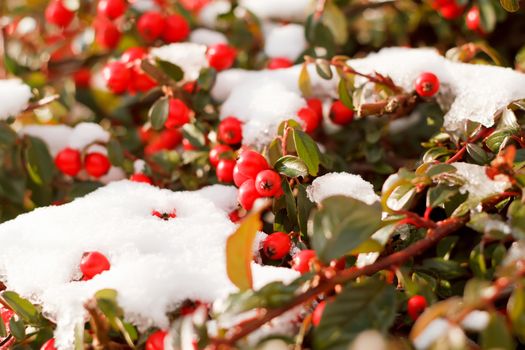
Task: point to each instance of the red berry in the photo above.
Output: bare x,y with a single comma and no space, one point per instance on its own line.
156,341
415,306
133,54
164,216
318,313
187,145
309,119
82,77
49,345
189,87
92,264
277,245
139,177
176,29
167,139
58,14
221,56
140,81
301,261
279,62
451,10
117,76
107,34
249,164
111,8
178,115
473,19
338,264
151,25
230,131
234,216
217,152
267,183
97,164
340,114
248,194
427,84
69,161
317,106
225,170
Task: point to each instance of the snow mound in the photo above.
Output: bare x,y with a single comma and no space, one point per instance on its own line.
190,57
295,10
286,41
207,37
478,184
344,184
261,105
14,97
170,260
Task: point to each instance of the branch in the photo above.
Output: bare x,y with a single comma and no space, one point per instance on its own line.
434,235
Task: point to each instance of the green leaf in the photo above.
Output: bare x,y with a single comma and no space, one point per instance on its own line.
360,306
336,21
115,153
7,135
206,78
437,169
304,207
341,224
344,95
291,166
497,335
172,70
17,328
488,15
445,269
3,330
323,69
496,139
516,312
239,251
158,113
510,5
440,194
194,135
478,154
307,150
304,82
22,307
38,161
434,153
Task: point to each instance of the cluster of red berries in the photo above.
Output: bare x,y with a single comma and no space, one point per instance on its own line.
69,162
58,14
153,25
311,116
451,9
427,84
107,33
126,74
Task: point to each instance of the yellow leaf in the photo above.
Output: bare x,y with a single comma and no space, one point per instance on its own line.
304,81
368,246
239,251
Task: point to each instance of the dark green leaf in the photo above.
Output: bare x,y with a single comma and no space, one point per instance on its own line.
361,306
307,150
344,95
7,135
477,153
304,206
516,311
495,140
115,153
39,164
22,307
17,328
445,269
291,166
437,169
440,194
158,113
323,69
172,70
3,330
341,224
194,135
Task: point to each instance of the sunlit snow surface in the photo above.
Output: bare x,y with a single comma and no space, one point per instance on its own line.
154,263
14,97
344,184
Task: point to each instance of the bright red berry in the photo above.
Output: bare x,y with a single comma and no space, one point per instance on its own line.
230,131
225,170
248,194
268,183
451,10
301,261
139,177
82,77
217,152
176,29
279,62
309,119
133,54
140,81
473,19
58,14
415,306
316,105
318,313
340,114
427,84
234,216
111,8
117,76
167,139
156,341
221,56
249,164
69,161
189,87
277,245
93,263
107,34
49,345
151,25
178,115
97,164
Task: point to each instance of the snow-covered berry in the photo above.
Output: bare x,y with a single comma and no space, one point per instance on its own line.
139,177
427,84
93,263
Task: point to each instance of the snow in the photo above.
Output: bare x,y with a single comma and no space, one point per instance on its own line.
14,97
294,10
85,134
261,105
477,183
208,14
190,57
171,260
207,37
476,321
286,41
435,330
344,184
